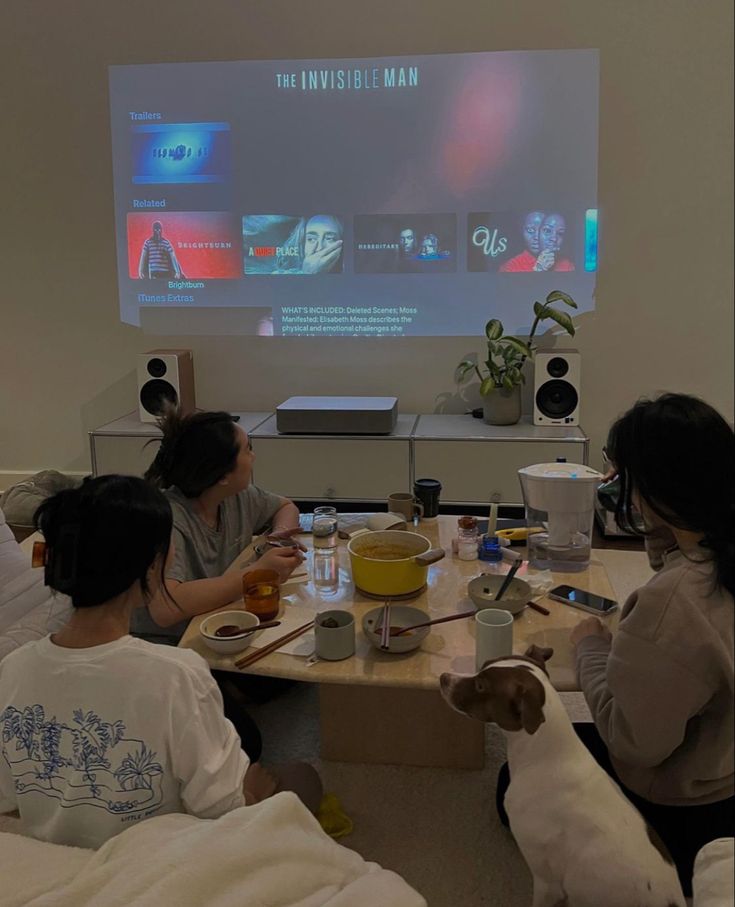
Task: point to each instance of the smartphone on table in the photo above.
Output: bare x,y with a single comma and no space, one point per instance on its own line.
586,601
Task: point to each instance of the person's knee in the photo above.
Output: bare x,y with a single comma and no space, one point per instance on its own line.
303,780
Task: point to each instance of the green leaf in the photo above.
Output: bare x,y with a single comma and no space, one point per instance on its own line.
508,383
494,329
487,386
518,346
561,318
464,368
539,310
558,296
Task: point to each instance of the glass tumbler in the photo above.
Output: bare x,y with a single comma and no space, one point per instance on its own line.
261,593
324,529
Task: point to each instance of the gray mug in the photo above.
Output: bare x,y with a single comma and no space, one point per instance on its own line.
405,504
334,643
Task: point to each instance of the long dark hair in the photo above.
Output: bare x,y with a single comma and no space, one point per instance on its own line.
103,537
196,451
678,452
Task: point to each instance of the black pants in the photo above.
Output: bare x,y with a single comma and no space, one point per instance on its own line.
683,829
247,730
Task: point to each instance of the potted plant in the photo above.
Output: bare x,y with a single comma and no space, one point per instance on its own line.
502,377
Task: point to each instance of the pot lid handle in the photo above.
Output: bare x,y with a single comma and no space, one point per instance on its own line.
429,557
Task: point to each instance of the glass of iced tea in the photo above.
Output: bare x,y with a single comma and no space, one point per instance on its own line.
261,593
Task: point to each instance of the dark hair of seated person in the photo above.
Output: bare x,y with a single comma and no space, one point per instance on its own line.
103,537
196,451
678,453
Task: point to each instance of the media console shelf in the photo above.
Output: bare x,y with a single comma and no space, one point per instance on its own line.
350,468
475,462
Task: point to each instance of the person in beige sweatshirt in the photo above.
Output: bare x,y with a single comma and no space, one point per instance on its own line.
661,690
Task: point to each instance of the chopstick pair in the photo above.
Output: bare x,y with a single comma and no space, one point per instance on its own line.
385,626
273,646
508,578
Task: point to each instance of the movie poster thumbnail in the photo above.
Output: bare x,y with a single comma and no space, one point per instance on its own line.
405,243
522,241
166,153
182,244
292,244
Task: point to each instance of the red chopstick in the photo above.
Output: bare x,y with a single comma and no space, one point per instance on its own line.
539,608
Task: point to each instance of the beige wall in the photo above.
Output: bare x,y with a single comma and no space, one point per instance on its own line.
664,315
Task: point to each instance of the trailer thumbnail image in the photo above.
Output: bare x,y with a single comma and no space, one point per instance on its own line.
523,241
181,153
292,244
405,243
199,244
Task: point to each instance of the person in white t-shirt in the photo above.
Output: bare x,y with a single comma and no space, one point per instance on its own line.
101,730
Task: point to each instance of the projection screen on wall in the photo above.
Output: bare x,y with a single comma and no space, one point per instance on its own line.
375,197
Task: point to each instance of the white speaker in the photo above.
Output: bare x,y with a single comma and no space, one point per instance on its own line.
165,376
556,387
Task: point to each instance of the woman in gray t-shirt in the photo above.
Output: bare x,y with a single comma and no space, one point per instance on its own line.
205,465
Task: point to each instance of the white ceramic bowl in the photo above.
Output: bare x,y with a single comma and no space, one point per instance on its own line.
228,645
400,616
483,589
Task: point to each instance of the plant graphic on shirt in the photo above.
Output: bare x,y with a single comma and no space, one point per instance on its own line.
39,738
49,755
138,769
91,741
23,725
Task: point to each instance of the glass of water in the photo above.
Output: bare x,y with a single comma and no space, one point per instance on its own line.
324,528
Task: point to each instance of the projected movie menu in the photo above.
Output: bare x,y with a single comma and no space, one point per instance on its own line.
407,189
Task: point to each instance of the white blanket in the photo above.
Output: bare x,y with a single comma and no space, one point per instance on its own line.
28,609
714,867
272,854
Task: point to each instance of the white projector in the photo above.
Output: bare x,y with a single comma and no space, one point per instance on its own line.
337,415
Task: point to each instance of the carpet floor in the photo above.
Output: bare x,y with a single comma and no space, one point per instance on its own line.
435,827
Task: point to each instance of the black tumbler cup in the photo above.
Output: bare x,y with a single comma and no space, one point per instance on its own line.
427,491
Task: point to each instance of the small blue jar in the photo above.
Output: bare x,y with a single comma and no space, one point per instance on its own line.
489,549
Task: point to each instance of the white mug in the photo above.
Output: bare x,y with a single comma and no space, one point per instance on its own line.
493,635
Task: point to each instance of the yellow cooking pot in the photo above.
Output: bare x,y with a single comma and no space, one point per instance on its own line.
391,562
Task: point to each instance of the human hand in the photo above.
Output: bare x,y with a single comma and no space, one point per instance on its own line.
322,259
590,626
286,535
283,560
545,261
259,783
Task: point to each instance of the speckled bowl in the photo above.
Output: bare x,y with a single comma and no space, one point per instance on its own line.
483,589
400,616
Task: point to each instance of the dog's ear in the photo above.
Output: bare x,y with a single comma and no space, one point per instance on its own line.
532,705
540,655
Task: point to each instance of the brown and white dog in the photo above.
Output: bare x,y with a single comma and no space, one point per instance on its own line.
584,842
